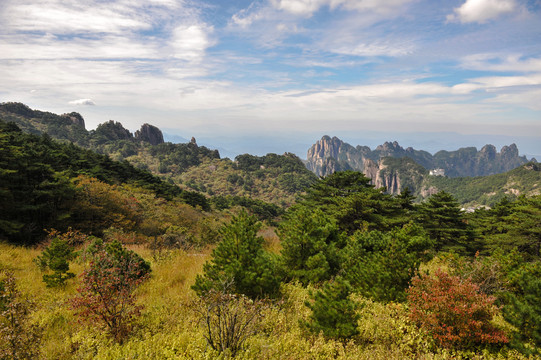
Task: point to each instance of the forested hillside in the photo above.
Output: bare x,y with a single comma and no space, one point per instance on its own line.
273,178
46,184
276,179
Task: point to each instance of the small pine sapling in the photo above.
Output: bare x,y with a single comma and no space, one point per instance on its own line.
239,257
333,312
56,258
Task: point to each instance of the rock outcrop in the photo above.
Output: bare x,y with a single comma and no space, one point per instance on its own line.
149,133
329,155
76,119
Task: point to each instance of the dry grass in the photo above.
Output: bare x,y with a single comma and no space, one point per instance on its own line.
169,325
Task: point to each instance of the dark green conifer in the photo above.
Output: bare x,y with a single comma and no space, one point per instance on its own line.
241,260
333,312
56,257
310,245
523,308
443,220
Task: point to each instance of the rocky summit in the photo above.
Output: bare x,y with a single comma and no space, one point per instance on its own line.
332,154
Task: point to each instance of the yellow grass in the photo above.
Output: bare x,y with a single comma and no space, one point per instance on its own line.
168,327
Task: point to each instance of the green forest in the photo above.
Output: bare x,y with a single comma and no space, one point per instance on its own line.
104,259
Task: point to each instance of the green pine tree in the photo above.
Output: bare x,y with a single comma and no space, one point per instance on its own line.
310,245
333,312
443,220
523,308
380,265
350,199
239,258
56,257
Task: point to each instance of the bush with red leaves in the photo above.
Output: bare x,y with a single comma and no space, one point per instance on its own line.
106,295
454,311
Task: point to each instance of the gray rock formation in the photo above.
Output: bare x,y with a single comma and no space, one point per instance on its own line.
76,119
150,134
329,155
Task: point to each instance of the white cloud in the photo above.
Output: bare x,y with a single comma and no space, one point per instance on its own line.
378,48
63,17
501,63
51,47
308,7
89,102
190,42
299,7
252,13
481,11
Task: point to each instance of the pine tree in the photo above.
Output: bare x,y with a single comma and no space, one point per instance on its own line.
333,312
523,307
56,258
350,199
443,219
240,258
380,265
310,245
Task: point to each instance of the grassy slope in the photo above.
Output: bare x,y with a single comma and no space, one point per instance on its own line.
169,326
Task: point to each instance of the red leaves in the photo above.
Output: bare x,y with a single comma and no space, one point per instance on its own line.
106,294
454,311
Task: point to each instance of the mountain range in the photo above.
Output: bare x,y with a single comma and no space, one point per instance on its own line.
469,174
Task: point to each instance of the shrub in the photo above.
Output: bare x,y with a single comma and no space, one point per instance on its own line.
453,311
228,320
18,338
106,295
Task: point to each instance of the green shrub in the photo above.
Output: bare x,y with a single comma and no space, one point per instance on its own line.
56,258
333,312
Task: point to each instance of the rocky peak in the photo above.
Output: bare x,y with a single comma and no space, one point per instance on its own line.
76,119
488,151
389,146
113,130
325,148
510,151
150,134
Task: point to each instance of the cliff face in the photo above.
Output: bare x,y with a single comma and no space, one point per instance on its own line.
150,134
332,154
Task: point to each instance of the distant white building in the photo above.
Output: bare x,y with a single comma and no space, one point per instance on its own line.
437,172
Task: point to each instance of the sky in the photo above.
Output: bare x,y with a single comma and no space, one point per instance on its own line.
263,76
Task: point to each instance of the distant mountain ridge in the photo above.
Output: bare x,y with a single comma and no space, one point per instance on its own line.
332,154
271,178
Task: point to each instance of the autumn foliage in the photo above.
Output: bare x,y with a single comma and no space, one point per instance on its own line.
454,311
106,294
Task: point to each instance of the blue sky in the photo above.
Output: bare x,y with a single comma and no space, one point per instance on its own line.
276,75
